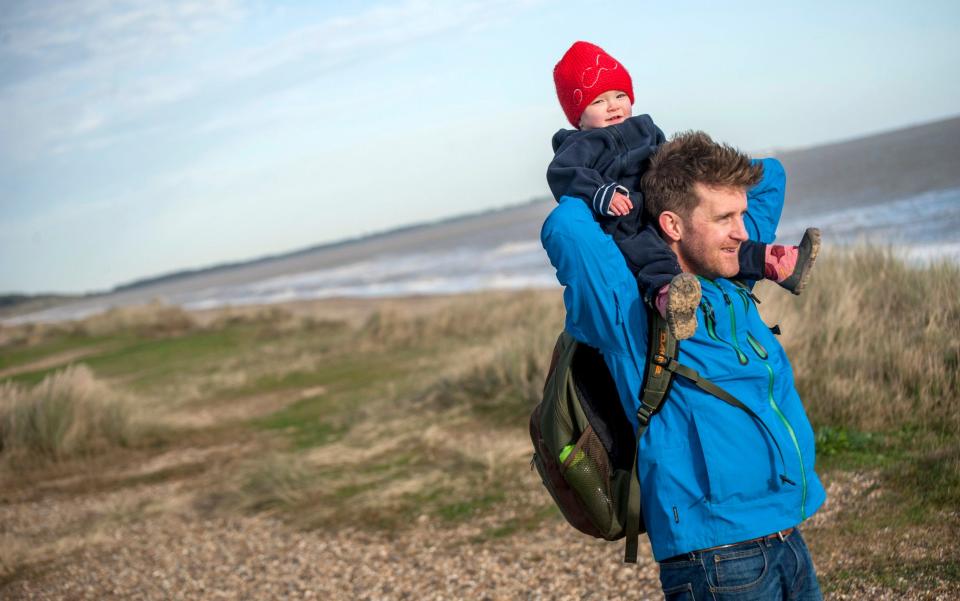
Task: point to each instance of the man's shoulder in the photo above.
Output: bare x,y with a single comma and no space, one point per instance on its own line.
569,217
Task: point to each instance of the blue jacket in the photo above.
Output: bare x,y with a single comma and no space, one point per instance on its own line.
709,473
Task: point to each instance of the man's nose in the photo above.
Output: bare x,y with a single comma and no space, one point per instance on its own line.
739,232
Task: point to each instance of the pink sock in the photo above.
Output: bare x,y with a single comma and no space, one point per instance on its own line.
663,295
780,261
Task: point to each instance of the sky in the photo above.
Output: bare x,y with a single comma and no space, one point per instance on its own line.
140,138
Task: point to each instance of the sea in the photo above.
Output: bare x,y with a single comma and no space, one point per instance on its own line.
920,229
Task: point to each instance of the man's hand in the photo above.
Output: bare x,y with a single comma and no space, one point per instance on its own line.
620,205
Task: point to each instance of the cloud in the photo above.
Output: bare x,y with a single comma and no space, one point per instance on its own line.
69,71
118,30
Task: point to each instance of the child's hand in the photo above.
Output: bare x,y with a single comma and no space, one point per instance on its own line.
620,205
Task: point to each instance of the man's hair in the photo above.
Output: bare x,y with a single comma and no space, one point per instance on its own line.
692,157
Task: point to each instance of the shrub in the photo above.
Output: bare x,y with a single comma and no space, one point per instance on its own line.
67,414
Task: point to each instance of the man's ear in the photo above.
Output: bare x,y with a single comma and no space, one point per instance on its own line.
671,225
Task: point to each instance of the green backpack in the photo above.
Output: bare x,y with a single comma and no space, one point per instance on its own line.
585,448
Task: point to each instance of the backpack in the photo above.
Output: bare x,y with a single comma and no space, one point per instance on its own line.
585,448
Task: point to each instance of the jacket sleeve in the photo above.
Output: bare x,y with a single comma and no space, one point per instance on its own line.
765,202
573,172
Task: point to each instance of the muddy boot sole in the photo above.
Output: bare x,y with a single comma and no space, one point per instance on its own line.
682,302
808,248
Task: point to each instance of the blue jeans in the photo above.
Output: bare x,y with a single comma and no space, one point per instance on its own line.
761,571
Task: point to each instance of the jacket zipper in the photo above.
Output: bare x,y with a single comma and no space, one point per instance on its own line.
763,355
796,444
711,327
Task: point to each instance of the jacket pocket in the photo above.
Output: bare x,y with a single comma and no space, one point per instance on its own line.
736,455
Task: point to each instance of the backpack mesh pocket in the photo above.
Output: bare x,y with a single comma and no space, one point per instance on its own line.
587,471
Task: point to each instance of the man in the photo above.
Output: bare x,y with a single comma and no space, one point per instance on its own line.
723,489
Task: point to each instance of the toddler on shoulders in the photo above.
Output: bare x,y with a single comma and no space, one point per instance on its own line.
601,162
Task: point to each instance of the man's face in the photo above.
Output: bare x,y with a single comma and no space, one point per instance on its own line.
607,109
713,232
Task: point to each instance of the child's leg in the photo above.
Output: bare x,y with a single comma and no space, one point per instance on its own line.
650,259
673,294
752,260
788,266
677,302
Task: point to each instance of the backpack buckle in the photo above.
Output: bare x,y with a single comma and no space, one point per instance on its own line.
644,412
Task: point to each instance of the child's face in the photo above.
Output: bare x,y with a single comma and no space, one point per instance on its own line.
606,109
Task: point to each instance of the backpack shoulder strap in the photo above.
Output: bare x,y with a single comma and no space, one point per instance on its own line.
662,348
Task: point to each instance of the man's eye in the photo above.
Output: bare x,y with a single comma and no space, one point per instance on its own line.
622,95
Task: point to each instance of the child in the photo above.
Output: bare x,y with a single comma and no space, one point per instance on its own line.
601,162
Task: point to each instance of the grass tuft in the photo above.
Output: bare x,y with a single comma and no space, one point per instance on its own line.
277,481
69,413
503,388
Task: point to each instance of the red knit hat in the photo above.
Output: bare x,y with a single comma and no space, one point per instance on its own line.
585,72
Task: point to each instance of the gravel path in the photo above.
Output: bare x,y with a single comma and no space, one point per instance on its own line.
181,557
150,542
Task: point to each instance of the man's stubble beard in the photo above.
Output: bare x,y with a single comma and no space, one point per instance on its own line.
708,263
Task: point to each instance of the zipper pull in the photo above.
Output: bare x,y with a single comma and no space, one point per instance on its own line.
706,307
787,480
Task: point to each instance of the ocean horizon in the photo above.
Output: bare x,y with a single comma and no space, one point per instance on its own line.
921,228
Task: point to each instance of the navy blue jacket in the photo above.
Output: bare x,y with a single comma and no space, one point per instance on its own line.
591,164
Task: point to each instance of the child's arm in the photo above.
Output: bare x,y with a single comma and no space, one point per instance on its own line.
572,172
788,266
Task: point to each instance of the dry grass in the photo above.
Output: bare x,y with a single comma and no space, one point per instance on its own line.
468,318
874,342
69,413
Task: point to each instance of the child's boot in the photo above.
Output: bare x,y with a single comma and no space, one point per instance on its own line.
677,302
790,266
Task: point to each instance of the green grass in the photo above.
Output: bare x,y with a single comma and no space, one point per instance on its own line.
849,449
926,483
303,425
350,386
12,356
918,470
469,508
152,361
155,361
531,520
